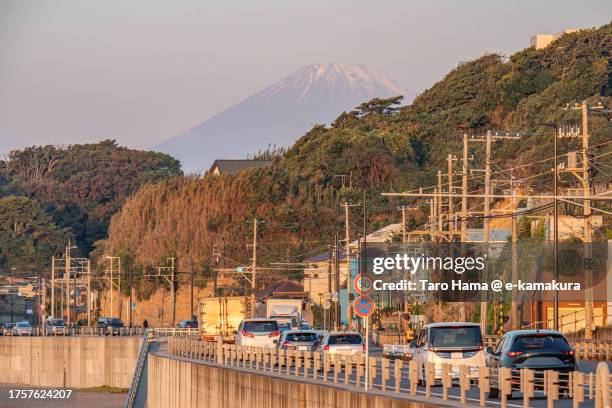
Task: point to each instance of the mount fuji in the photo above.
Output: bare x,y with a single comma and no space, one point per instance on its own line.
280,114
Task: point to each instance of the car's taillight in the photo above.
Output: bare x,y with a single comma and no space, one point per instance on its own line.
514,353
286,344
363,347
326,348
274,334
247,334
569,353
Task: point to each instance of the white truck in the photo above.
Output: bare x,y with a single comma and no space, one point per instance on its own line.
285,310
221,316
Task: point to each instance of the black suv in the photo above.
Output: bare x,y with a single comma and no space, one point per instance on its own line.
538,350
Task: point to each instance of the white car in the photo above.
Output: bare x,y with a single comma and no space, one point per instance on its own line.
453,343
346,345
258,332
23,329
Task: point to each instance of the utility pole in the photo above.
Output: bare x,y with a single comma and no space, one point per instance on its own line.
329,280
131,293
191,302
588,236
53,287
514,304
172,286
464,190
254,280
89,292
337,281
67,281
451,205
439,206
556,235
403,209
347,251
585,179
487,214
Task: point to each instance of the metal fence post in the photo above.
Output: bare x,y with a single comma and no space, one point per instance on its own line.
552,388
429,378
447,380
413,376
505,385
360,370
219,350
397,368
484,383
384,372
372,372
464,381
527,386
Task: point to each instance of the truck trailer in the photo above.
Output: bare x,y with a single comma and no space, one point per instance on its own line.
221,316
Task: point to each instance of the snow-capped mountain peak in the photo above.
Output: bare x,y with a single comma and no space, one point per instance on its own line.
281,113
314,78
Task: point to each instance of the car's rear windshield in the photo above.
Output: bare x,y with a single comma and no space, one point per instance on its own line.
455,336
9,324
23,324
305,336
57,322
345,339
261,326
540,342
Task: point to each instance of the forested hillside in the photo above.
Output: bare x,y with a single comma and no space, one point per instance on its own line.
377,147
52,192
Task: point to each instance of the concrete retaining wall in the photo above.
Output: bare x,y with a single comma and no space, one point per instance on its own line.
76,362
176,383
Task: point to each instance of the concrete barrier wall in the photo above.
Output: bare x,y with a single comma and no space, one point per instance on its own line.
76,362
176,383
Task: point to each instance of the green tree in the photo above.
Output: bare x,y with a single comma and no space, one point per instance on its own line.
28,237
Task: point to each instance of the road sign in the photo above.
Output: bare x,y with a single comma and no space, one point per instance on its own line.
327,305
334,296
363,284
363,306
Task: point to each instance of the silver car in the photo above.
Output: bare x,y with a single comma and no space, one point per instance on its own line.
346,345
300,340
55,327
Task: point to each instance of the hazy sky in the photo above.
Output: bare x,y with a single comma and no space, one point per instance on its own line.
141,71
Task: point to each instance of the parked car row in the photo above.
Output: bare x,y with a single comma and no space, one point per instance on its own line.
16,329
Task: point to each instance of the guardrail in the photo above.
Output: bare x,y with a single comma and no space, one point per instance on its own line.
176,332
395,376
83,331
147,338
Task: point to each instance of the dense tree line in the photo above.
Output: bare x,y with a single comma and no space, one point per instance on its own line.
77,187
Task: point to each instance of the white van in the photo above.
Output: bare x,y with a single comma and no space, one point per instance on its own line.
453,343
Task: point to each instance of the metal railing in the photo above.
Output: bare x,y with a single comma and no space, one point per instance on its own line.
83,331
176,332
459,382
142,355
